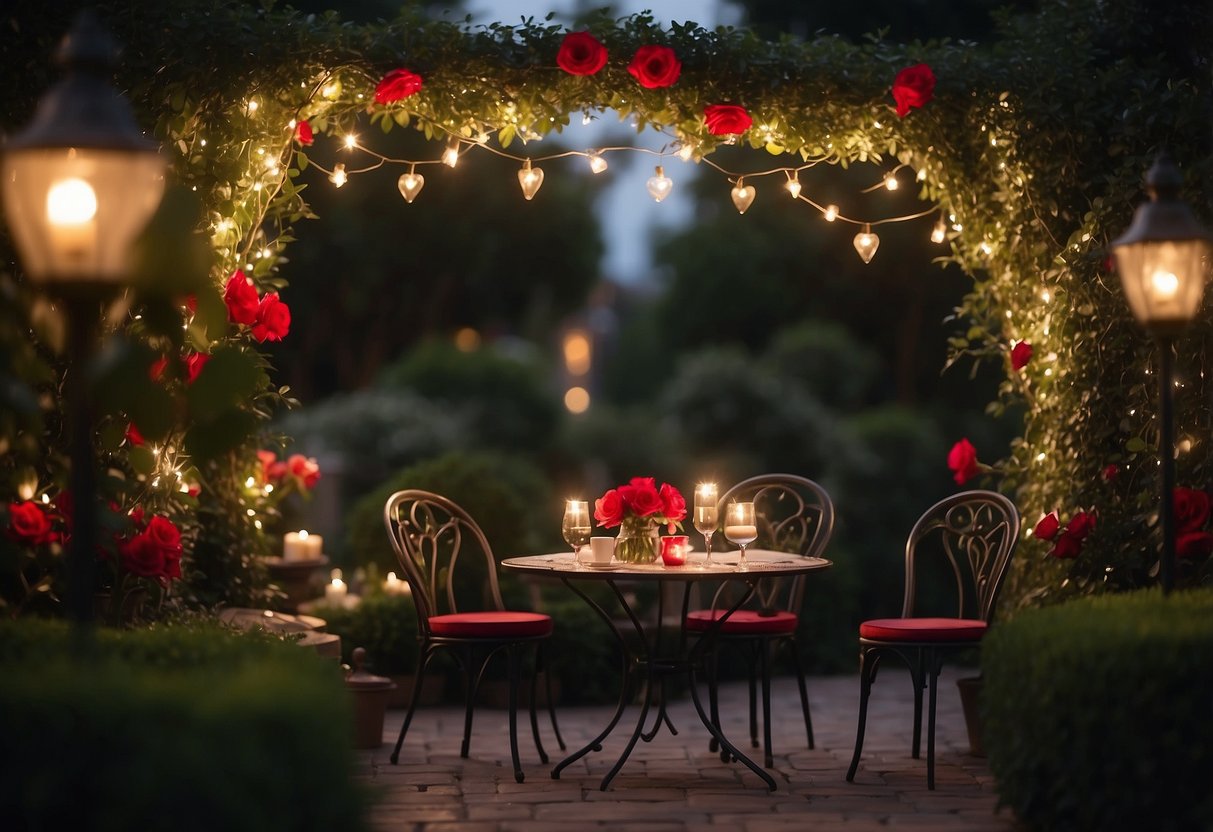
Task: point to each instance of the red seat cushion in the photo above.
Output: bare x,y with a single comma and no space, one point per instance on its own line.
744,622
491,624
923,629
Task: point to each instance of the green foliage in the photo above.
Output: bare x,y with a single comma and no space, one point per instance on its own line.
1121,683
823,357
172,728
386,625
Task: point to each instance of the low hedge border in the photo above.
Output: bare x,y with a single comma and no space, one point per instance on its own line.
1098,713
181,728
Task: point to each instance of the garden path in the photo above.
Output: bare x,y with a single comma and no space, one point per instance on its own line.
674,784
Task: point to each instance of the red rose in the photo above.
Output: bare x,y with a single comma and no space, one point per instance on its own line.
304,468
133,436
914,86
304,134
141,556
194,363
136,515
581,54
1067,547
267,460
191,303
655,67
1110,472
1081,525
1193,544
723,119
28,523
397,84
1021,354
608,509
241,299
156,371
673,504
1190,508
962,460
1047,528
273,319
641,496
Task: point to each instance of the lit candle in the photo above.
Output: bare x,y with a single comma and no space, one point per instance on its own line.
301,545
395,586
335,592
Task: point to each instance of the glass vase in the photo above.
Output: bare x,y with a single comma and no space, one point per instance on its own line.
638,541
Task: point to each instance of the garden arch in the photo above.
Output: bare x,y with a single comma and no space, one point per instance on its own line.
1033,147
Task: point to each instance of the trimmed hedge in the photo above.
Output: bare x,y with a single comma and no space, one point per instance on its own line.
1098,713
177,728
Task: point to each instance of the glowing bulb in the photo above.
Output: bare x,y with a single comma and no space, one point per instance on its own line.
866,243
269,488
793,185
939,232
831,213
890,182
597,163
450,156
250,482
659,185
252,106
1165,284
410,184
743,196
986,249
351,141
71,202
530,179
686,152
1045,296
922,175
46,499
338,177
577,400
331,89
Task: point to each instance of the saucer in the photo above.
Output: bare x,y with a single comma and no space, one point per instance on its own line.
599,565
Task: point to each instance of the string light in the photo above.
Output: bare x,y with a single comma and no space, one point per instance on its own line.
530,179
597,163
338,177
890,182
866,243
831,213
939,232
450,156
351,141
743,196
410,184
793,185
659,185
686,152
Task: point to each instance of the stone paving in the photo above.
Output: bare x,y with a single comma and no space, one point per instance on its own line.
674,784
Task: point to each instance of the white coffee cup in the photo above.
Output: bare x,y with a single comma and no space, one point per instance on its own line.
602,550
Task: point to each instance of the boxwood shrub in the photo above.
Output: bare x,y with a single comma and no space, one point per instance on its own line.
1098,713
182,728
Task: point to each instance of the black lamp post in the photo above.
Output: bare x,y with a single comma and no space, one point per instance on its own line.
1162,262
79,183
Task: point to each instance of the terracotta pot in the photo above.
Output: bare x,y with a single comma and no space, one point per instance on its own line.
431,689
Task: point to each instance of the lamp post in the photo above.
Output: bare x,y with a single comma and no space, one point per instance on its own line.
79,183
1161,261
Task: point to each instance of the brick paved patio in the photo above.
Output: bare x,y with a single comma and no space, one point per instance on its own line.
674,783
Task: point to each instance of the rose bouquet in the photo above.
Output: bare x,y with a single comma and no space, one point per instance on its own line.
638,509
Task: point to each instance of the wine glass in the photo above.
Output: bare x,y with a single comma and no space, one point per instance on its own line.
705,516
740,528
576,527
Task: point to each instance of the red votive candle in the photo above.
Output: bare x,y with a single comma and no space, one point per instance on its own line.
674,549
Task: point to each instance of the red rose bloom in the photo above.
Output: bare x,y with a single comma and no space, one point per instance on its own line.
914,86
133,436
397,84
28,523
962,460
1190,508
141,556
304,469
1021,354
655,67
1081,525
1110,472
608,509
267,460
723,119
273,319
1193,544
240,296
641,497
1067,547
156,371
304,134
673,504
581,54
1047,528
194,363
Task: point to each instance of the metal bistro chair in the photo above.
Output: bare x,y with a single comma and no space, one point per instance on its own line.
794,515
977,532
429,533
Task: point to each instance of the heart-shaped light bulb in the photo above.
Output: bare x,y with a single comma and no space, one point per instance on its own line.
659,185
530,179
597,163
866,244
793,186
743,196
410,184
